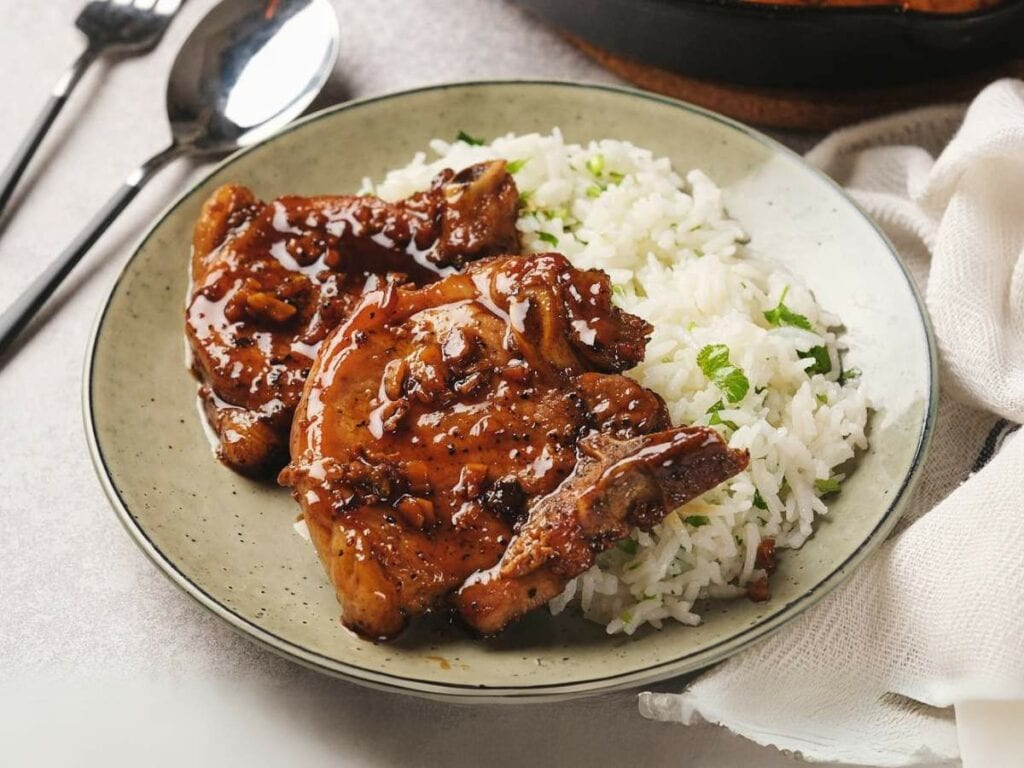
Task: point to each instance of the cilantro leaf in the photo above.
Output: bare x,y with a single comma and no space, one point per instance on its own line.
714,363
594,191
629,546
759,501
557,213
514,166
734,384
697,520
716,418
713,357
595,164
822,362
849,374
783,315
827,486
547,237
466,138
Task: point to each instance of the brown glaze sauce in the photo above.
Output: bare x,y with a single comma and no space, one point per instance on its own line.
435,415
271,280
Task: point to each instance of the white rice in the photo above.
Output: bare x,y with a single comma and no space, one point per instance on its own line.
676,258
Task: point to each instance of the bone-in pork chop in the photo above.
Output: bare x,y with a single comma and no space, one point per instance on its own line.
436,419
270,280
617,485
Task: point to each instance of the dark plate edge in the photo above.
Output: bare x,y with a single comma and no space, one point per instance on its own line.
882,10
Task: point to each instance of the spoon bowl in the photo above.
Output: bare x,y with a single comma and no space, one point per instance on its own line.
248,69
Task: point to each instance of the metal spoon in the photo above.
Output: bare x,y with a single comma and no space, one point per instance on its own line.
125,27
248,68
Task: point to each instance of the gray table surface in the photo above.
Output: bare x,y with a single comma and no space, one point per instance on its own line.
101,658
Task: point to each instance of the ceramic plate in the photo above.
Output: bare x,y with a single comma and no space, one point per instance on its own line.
228,541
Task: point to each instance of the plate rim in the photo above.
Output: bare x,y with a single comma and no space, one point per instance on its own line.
504,693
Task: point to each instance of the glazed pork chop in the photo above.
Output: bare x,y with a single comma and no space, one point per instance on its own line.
270,280
437,421
617,485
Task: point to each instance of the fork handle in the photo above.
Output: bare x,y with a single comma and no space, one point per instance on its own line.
16,317
23,154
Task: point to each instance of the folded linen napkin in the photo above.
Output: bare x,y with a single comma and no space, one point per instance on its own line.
935,617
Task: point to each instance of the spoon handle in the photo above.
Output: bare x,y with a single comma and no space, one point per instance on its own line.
16,317
23,154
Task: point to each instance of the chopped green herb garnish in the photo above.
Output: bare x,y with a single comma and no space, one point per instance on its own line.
759,501
822,361
716,420
596,164
627,616
466,138
547,237
783,315
734,383
822,398
713,358
594,191
524,197
697,520
714,362
827,486
615,176
690,326
629,546
515,166
848,374
716,417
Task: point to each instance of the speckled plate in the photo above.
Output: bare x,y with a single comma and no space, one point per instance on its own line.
228,541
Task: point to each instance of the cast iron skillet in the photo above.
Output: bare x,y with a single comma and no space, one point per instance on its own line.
792,46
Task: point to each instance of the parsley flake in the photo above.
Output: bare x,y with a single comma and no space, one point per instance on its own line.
697,520
467,139
514,166
716,417
827,486
547,237
822,361
783,315
629,546
714,363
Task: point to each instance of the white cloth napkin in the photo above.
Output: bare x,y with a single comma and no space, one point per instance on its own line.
936,617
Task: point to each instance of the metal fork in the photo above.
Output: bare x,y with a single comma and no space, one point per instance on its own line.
127,27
